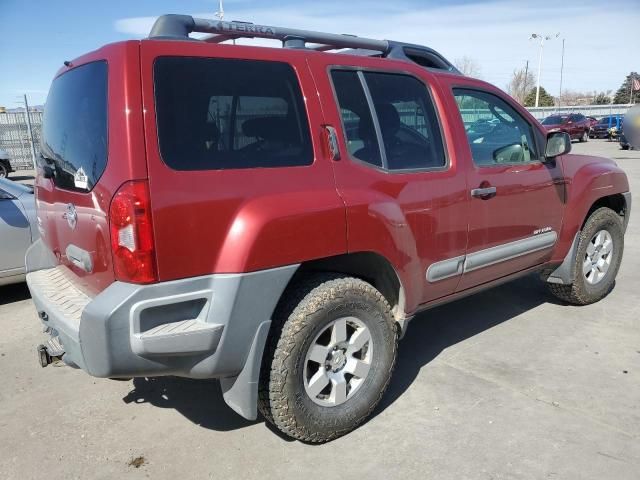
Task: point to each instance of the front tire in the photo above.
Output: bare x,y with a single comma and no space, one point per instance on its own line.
4,171
584,137
597,261
329,359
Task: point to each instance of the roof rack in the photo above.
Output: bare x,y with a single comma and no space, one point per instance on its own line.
178,27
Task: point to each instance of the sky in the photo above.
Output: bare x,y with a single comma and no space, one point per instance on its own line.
601,47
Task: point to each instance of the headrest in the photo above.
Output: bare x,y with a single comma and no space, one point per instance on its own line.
269,128
388,117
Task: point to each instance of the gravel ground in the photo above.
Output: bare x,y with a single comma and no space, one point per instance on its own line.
506,384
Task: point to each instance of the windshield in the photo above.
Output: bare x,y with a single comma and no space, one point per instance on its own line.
607,120
74,130
554,120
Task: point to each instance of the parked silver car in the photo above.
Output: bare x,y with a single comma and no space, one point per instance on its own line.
18,228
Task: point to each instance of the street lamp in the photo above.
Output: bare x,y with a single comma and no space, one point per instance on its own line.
541,38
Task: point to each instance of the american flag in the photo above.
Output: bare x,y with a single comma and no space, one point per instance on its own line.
636,84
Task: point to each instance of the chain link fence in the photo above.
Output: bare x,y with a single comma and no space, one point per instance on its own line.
14,133
14,137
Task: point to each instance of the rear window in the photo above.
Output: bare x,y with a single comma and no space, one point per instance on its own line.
74,130
217,114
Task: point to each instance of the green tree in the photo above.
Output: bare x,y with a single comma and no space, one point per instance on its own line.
546,100
601,99
624,92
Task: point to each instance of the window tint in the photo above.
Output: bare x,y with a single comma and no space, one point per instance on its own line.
74,130
360,133
555,120
408,122
405,115
496,132
223,114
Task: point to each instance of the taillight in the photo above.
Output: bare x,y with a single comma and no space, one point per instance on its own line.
132,234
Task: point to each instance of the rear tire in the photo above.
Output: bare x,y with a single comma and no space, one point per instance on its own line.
320,378
4,170
595,270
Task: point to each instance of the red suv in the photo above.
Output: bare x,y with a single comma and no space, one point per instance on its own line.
576,125
275,217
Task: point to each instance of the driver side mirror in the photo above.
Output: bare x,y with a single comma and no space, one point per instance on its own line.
558,143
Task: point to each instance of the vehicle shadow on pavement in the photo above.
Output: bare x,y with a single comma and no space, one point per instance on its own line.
434,330
14,293
429,333
200,401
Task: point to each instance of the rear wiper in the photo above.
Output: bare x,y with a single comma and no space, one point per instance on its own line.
48,168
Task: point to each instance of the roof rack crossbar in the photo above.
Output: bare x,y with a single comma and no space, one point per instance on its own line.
178,27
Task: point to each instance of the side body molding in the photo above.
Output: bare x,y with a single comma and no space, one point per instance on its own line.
490,256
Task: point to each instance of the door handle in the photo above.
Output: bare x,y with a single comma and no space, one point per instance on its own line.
484,193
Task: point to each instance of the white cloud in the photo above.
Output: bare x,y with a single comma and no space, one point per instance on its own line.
495,33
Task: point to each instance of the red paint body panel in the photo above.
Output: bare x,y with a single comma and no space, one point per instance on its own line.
588,179
528,197
412,219
221,221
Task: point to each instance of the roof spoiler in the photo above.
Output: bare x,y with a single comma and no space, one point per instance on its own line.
178,27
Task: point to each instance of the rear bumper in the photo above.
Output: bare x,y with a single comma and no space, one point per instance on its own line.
202,327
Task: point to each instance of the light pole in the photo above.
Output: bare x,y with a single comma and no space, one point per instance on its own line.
542,38
561,70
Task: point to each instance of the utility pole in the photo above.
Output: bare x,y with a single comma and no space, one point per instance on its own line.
30,132
542,38
561,70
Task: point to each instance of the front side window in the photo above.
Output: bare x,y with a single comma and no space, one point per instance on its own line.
405,134
217,114
496,132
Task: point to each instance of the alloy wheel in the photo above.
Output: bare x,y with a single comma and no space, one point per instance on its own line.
338,361
598,257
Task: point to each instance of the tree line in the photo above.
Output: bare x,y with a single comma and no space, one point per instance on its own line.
522,87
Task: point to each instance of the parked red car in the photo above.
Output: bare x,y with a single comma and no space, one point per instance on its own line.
275,217
574,124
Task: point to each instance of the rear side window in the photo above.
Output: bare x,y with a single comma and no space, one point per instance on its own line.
408,122
402,134
359,130
74,130
224,114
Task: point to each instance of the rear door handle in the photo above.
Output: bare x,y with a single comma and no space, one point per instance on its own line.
484,193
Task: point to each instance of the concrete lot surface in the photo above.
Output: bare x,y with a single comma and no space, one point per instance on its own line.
507,384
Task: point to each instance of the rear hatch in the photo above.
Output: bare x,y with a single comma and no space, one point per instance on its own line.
92,144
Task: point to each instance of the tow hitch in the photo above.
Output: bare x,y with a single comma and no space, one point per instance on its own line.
50,352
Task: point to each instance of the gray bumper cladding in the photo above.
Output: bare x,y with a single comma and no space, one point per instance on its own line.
204,327
174,325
